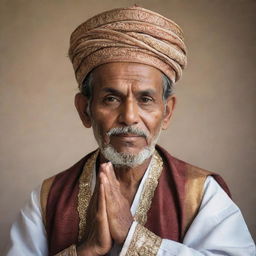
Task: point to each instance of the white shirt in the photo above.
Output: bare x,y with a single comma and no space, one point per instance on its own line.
218,229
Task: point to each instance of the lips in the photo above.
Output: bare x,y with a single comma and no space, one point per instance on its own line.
126,138
129,135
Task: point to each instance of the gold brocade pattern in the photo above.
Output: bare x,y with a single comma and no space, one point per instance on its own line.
131,34
84,193
70,251
149,189
134,13
144,242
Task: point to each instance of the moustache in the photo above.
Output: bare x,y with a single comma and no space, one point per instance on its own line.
127,129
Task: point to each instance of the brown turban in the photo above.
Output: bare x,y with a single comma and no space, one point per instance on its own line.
130,34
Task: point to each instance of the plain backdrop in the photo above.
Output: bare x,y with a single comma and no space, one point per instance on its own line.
214,123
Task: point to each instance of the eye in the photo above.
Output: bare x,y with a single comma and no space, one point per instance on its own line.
110,99
146,99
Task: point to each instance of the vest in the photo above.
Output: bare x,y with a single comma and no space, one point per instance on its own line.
175,203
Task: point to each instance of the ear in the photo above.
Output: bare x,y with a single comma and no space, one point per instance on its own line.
169,108
81,103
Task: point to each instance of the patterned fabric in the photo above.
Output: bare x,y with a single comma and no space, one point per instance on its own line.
130,34
70,251
144,242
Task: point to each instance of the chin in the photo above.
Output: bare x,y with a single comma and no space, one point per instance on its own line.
128,158
127,150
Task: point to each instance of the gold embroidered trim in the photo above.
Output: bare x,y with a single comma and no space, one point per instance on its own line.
84,193
45,189
149,188
193,194
144,242
70,251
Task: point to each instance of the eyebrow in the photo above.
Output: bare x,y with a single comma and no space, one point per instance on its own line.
147,92
111,90
119,93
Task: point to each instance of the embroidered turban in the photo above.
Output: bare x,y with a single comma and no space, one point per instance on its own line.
130,34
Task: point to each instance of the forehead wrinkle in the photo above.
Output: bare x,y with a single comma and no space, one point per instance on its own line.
133,89
112,91
129,75
136,77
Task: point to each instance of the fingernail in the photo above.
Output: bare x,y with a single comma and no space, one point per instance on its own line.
103,165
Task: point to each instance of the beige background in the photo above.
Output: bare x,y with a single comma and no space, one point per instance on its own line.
214,123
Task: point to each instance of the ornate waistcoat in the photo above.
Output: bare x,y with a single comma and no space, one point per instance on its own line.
168,204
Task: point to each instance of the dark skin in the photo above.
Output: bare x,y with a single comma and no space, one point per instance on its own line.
124,94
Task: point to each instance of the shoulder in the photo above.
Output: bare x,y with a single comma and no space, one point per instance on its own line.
219,224
184,168
214,195
217,208
61,180
191,175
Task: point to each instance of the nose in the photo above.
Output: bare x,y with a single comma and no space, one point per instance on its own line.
129,114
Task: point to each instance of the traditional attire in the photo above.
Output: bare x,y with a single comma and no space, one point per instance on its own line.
178,209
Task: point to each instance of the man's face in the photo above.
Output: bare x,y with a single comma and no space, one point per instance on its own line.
128,95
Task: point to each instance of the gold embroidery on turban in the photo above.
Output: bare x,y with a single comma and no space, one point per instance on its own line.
130,34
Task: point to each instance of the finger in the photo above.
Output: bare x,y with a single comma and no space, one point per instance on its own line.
111,185
109,171
101,201
105,191
103,167
105,182
110,193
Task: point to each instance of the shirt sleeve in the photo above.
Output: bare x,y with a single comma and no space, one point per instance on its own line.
27,234
218,229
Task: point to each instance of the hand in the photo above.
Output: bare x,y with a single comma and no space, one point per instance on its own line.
97,240
118,208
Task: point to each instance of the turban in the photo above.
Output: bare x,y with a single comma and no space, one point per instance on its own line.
131,34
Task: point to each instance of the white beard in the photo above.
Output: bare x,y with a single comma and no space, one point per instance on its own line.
126,159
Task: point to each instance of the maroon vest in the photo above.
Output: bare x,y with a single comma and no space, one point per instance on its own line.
166,217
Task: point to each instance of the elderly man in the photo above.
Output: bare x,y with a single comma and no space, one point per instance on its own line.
130,197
